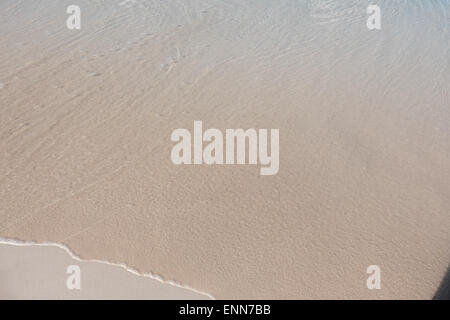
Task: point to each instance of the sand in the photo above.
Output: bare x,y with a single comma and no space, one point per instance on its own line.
86,119
30,271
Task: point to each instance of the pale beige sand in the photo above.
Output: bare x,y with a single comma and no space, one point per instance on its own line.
40,272
86,118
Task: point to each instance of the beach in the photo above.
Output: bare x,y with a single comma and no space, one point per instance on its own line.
43,271
86,118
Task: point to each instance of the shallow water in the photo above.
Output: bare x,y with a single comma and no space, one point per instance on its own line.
85,127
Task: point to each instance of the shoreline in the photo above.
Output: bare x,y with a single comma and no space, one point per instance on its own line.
151,285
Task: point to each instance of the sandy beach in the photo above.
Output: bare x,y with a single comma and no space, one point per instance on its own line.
31,271
86,118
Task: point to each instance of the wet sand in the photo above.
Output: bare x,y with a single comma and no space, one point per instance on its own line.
41,272
86,118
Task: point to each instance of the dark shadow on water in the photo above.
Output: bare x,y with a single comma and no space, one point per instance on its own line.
443,292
